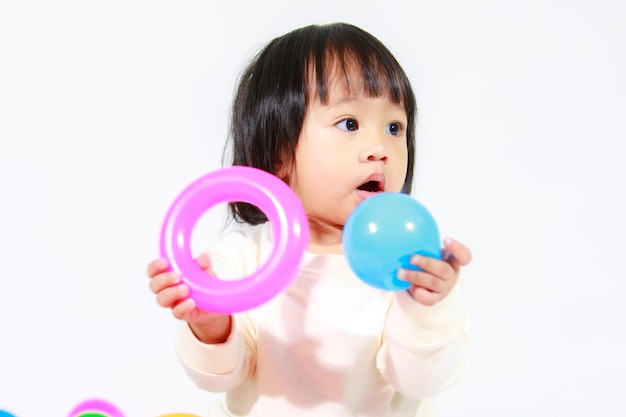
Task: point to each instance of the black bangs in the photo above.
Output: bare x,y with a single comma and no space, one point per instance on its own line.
366,65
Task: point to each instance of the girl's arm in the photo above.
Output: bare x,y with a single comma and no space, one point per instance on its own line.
222,360
219,367
426,332
424,347
209,344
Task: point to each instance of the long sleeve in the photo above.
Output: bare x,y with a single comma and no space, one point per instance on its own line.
219,367
223,367
424,348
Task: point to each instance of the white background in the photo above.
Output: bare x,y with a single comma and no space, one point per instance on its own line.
108,109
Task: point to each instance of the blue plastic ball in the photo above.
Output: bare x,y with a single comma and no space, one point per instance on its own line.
383,232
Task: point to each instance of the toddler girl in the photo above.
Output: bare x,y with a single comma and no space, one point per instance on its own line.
329,110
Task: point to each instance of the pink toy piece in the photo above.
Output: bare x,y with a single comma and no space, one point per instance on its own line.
288,222
96,406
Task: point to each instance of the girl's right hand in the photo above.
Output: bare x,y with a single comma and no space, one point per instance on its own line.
172,293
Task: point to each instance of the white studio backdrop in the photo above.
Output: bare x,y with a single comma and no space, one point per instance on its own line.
109,108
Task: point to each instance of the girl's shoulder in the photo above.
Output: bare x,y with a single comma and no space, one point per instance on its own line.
240,249
243,233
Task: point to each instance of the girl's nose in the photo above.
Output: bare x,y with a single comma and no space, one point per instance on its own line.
373,149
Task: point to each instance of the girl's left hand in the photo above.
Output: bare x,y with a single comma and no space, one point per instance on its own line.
438,277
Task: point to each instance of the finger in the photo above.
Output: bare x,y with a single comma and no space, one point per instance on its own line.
164,280
204,262
171,296
183,309
422,279
456,253
157,266
437,267
424,296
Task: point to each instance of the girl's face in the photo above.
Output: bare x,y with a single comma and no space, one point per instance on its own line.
348,150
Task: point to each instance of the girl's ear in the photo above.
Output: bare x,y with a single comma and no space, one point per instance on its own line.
283,169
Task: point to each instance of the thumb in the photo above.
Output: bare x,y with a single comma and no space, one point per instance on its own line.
204,262
455,253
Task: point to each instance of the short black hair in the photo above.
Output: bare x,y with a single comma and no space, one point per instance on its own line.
274,90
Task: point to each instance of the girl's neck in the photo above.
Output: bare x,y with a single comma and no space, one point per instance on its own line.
321,249
324,238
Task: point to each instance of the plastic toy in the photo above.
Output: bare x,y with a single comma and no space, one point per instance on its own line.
95,408
288,222
383,232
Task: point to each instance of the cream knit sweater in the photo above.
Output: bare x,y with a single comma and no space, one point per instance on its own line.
329,345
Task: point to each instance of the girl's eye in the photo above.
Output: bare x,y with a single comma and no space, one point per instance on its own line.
349,125
394,129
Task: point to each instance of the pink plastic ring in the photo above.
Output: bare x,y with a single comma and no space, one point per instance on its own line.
290,234
96,406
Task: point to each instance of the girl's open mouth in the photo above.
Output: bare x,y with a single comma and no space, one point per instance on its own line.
373,184
370,186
